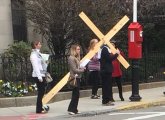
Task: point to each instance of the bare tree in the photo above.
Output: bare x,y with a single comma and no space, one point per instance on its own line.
147,9
59,23
52,18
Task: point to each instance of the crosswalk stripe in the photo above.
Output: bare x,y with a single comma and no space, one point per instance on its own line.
146,116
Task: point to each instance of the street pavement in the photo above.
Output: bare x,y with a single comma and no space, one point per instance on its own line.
87,106
151,113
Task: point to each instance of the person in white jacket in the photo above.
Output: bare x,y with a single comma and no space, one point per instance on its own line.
38,74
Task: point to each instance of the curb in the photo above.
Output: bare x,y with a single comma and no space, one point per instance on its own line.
142,104
132,105
31,100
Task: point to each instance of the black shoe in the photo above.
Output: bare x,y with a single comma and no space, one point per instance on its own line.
110,103
164,93
42,112
112,100
122,99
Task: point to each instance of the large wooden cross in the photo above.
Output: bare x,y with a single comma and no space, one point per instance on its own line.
103,40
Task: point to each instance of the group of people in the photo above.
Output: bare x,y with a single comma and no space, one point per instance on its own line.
104,67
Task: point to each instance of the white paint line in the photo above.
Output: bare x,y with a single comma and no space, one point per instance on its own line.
138,113
146,116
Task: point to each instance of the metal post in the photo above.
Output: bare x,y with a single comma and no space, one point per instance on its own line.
135,65
135,81
134,10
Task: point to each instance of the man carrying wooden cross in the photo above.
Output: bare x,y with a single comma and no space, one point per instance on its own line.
106,69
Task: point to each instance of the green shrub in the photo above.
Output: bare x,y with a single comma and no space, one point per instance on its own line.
18,50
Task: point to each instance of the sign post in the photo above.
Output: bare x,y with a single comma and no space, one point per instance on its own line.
135,40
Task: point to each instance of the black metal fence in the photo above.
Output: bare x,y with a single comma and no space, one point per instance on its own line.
18,71
151,68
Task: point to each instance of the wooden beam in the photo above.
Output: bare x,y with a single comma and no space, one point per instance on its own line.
108,36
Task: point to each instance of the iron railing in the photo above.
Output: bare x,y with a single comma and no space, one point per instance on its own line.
18,70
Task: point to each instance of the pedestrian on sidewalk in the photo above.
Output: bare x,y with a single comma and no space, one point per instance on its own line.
106,69
117,72
38,74
75,71
94,71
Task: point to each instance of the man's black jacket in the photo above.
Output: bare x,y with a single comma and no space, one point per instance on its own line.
106,60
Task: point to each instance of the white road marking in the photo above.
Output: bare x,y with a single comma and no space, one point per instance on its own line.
138,113
146,116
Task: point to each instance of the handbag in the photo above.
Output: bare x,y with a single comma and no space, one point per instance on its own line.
72,81
48,77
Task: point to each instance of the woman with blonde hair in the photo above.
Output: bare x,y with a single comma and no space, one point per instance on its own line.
75,71
94,70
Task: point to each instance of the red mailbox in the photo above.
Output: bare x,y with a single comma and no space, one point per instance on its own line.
135,39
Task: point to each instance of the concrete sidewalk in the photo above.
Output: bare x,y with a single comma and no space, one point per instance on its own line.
87,106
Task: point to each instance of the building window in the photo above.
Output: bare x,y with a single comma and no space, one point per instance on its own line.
19,20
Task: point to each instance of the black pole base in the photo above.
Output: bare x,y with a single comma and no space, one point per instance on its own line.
164,93
135,98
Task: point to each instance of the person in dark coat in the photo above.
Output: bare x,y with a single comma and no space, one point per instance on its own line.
106,69
117,73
